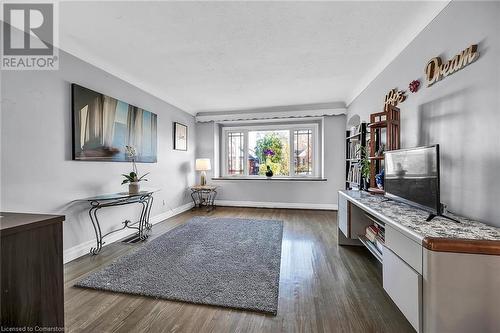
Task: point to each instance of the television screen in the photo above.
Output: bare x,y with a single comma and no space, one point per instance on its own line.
412,175
103,126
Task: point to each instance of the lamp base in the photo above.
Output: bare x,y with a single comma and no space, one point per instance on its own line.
203,178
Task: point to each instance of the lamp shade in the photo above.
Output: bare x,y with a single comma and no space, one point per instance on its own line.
203,164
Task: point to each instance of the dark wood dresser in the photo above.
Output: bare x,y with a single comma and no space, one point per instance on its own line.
32,281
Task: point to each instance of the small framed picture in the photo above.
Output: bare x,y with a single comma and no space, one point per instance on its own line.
180,136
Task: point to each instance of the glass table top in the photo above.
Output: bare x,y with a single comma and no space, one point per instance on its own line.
118,195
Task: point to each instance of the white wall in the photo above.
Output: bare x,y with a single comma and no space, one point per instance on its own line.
461,112
38,174
293,194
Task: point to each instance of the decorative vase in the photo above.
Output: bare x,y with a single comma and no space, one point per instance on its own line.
133,188
269,172
379,180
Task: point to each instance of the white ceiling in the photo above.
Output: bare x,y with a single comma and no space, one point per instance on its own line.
213,56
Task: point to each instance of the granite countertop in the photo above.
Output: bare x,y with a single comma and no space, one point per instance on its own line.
413,220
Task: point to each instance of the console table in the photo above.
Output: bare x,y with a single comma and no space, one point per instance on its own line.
143,227
204,195
443,275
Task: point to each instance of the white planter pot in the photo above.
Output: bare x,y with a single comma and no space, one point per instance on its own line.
133,188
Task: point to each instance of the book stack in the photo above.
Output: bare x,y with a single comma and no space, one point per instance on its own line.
353,150
354,174
380,239
355,141
376,235
371,232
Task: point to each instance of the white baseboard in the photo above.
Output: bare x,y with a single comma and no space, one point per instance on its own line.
82,249
291,205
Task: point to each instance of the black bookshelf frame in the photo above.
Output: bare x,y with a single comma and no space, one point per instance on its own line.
361,137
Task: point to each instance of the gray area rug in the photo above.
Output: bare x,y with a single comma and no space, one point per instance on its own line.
227,262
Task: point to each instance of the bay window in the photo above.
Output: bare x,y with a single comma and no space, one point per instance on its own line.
289,150
235,151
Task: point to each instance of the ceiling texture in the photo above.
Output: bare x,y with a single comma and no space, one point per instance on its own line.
218,56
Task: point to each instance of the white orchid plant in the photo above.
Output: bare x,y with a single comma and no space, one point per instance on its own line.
133,176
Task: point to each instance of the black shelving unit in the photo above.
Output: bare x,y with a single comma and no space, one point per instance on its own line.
354,179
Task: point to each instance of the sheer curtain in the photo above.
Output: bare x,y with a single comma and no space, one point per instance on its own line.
138,131
92,123
153,134
134,124
84,125
108,120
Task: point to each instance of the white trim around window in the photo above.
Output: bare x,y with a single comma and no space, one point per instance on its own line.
244,129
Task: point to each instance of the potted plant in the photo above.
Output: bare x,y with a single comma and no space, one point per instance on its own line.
269,153
133,179
365,167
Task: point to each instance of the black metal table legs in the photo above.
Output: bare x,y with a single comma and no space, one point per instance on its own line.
143,225
204,198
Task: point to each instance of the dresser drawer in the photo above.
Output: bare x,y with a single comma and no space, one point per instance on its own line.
404,247
404,285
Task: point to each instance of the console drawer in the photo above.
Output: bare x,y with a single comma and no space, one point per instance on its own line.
404,247
343,216
404,285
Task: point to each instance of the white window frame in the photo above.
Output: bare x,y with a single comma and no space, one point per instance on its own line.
316,162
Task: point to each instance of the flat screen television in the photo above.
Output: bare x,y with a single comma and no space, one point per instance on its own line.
412,176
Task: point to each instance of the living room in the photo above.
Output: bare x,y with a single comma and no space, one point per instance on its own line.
250,166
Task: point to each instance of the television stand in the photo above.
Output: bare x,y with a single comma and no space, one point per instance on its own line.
422,260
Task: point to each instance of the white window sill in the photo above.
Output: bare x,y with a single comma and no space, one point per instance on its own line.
273,179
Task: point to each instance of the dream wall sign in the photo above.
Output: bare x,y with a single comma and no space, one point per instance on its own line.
436,69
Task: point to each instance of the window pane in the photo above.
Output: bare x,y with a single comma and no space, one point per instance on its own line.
268,148
303,152
235,153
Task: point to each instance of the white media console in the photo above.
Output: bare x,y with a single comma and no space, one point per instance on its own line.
444,276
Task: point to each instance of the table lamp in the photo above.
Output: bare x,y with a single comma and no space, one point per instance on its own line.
203,165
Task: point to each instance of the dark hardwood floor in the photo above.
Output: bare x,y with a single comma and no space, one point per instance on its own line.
323,287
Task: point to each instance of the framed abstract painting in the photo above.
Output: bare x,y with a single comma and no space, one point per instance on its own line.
103,126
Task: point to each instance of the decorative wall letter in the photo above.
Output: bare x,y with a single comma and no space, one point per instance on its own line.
436,70
394,97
